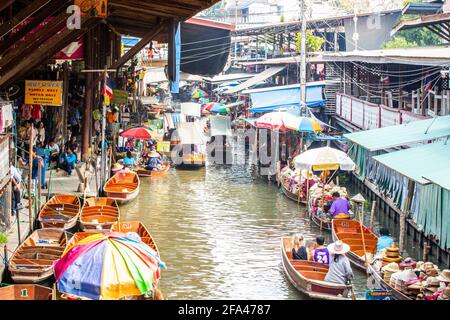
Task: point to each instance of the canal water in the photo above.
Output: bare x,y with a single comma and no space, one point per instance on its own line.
218,230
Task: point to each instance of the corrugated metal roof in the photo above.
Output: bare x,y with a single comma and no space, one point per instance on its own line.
257,78
419,162
402,135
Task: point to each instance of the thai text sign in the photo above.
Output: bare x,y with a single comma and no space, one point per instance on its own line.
120,97
43,92
163,146
93,8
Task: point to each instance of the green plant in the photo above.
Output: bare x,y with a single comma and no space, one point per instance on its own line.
399,42
313,43
3,238
282,19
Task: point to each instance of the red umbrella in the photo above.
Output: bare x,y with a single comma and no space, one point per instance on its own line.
137,133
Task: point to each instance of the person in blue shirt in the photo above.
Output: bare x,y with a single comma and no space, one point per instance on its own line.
384,240
129,161
53,148
69,162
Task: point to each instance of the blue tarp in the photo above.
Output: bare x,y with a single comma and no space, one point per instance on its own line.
130,41
274,99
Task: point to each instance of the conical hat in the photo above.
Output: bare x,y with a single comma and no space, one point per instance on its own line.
117,166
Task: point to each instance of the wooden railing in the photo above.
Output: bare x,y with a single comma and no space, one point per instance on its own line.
367,115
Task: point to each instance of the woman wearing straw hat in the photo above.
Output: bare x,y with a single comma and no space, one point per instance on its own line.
339,270
153,163
117,167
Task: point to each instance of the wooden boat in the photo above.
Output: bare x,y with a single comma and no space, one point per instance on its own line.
99,214
142,172
26,292
77,236
192,161
32,262
308,276
349,231
139,228
377,278
287,193
61,211
123,186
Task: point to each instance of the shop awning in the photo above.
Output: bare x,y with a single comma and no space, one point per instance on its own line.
256,79
275,98
402,135
419,162
441,178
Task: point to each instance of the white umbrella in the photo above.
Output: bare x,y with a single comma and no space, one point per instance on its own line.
325,158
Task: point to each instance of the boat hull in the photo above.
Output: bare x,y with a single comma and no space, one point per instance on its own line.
61,212
396,294
148,173
26,292
288,194
314,289
99,214
122,187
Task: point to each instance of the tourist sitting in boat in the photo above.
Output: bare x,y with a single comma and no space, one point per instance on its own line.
116,168
384,240
69,160
129,161
320,253
340,207
299,251
339,270
154,162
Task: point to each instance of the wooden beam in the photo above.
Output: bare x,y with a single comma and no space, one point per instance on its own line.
51,9
46,51
22,15
5,4
52,28
438,32
149,36
150,9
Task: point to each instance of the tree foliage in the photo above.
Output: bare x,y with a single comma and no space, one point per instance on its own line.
420,37
313,43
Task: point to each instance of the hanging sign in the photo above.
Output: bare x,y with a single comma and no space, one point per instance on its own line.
47,93
93,8
163,146
120,97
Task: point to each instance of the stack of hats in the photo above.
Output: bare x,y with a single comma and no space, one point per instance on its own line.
408,263
392,254
431,284
429,269
444,276
388,270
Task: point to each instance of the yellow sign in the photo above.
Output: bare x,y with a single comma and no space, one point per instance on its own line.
163,146
47,93
93,8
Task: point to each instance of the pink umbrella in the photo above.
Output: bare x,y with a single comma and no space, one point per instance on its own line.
137,133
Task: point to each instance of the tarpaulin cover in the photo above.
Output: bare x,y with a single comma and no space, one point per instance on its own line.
190,133
220,126
272,99
191,109
204,50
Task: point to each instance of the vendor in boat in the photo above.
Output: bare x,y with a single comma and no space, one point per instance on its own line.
154,162
384,240
339,270
129,161
320,253
116,168
299,251
340,207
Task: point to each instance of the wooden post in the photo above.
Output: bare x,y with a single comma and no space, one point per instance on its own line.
372,213
65,101
426,248
38,187
30,181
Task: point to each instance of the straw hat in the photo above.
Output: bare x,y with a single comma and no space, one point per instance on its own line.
444,276
391,267
117,166
153,154
446,293
432,284
338,247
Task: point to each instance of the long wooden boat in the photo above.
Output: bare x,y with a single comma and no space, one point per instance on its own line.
142,172
123,186
349,231
26,292
99,214
308,276
377,277
61,211
139,228
192,161
77,236
32,262
292,196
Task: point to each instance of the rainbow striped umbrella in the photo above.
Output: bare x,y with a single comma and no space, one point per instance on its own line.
198,93
108,266
284,121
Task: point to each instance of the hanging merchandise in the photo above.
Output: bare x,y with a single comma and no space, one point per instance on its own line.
96,114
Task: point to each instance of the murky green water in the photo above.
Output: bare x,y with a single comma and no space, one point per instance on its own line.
218,230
